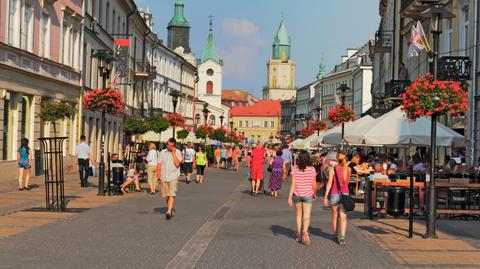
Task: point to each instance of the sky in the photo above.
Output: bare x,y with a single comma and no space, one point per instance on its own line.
244,32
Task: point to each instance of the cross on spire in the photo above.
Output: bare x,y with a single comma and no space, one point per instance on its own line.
211,22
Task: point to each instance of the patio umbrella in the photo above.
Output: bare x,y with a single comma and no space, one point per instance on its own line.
335,138
394,129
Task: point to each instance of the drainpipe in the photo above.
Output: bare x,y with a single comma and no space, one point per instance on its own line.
127,33
474,92
143,62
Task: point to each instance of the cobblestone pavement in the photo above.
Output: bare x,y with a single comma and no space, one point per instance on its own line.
217,225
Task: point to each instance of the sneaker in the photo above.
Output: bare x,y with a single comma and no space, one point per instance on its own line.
335,239
341,241
168,216
188,181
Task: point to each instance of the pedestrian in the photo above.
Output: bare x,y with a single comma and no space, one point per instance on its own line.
152,161
229,157
188,155
287,159
223,160
200,163
218,156
258,157
82,152
278,170
170,160
337,185
23,157
237,153
302,193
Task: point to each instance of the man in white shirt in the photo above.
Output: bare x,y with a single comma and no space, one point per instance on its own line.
170,160
82,152
188,154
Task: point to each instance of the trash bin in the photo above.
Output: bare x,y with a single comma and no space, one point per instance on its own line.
117,179
396,201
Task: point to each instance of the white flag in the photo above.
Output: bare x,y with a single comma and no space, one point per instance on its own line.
417,40
337,99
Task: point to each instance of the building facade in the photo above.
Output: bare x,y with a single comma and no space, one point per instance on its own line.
40,60
231,98
281,68
287,121
261,120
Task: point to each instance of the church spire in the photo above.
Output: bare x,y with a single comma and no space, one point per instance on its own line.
321,69
179,17
282,43
210,51
179,29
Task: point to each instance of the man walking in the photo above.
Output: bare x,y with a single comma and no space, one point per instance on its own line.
170,160
287,159
82,152
188,154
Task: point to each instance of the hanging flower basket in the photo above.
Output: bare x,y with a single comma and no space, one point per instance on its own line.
108,100
203,131
307,131
341,114
427,96
175,119
319,125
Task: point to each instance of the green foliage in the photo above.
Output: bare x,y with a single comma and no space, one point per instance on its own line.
219,135
182,134
201,133
52,111
157,124
135,125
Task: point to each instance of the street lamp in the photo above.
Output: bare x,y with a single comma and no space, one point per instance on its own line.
205,112
231,126
318,109
435,13
342,90
221,120
105,66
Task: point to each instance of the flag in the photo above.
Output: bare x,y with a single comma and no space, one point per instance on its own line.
337,99
418,41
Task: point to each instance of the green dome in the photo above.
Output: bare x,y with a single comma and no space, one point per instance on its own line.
210,51
179,18
282,37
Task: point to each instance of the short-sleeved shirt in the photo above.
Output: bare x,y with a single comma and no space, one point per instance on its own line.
352,167
152,157
224,153
82,151
286,156
257,156
201,158
218,153
169,170
188,153
304,181
24,152
229,153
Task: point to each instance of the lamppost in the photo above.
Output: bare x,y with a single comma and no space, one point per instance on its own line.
318,109
175,95
205,112
221,120
105,65
231,125
435,13
342,90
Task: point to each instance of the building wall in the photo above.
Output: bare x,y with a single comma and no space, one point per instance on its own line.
215,98
281,80
256,126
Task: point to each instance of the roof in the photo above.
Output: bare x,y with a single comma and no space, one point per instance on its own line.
268,108
210,51
282,37
179,18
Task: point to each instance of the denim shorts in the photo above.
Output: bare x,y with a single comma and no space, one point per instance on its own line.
334,199
307,200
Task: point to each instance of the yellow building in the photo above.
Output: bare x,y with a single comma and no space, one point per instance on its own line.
261,120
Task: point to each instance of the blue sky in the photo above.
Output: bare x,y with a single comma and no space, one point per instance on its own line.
244,31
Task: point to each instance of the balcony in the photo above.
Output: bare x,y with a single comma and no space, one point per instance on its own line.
144,70
394,90
413,8
454,68
383,41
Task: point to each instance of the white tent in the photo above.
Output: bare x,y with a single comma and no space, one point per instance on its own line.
394,129
335,138
295,144
318,140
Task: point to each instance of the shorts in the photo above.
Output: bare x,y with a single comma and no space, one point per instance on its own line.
188,168
257,174
334,199
152,174
200,170
28,166
169,189
306,200
224,159
217,158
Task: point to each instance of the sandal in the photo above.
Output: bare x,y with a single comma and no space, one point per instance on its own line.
298,237
306,239
20,189
27,188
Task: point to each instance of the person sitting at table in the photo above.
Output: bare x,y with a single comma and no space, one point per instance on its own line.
391,166
378,172
131,176
419,165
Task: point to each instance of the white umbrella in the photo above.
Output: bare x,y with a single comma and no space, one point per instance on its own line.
335,138
394,129
295,142
319,139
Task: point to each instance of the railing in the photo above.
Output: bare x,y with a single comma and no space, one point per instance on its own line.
383,38
395,88
144,69
454,68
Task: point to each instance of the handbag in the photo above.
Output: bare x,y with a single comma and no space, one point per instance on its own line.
270,168
345,199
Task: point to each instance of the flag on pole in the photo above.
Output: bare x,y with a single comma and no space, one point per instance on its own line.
337,99
418,41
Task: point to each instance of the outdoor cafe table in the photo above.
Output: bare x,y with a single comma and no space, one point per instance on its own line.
459,186
406,184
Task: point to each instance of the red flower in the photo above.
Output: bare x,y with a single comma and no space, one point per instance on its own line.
341,114
108,100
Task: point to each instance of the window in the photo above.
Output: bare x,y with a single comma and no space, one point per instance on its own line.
13,7
246,123
265,124
464,30
66,43
210,72
107,17
45,36
119,30
6,105
212,120
197,119
272,124
100,11
209,87
27,29
240,124
113,23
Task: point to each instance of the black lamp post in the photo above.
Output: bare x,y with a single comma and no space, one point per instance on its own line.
435,13
231,126
105,65
205,112
221,120
318,109
342,90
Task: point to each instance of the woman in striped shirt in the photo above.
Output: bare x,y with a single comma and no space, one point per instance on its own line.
302,193
341,174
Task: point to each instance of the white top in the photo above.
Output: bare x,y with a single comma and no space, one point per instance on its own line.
82,151
189,153
169,170
152,157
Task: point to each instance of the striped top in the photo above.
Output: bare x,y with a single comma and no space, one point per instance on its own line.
304,181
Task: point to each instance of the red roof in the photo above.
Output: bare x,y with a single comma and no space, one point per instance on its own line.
269,108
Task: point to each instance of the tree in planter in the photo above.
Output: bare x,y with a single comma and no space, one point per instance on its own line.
219,134
135,125
157,124
52,112
203,131
182,134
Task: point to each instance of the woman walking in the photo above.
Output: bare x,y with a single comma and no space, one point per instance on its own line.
276,177
302,193
152,160
200,163
337,184
23,156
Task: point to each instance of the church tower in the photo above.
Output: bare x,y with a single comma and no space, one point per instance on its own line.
281,69
179,29
210,68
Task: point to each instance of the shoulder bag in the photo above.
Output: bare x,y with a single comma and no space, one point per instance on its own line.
345,199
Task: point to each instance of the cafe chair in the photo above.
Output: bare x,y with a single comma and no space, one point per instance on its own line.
354,180
379,199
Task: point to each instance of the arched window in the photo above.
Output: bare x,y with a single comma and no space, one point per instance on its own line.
209,87
197,119
212,120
